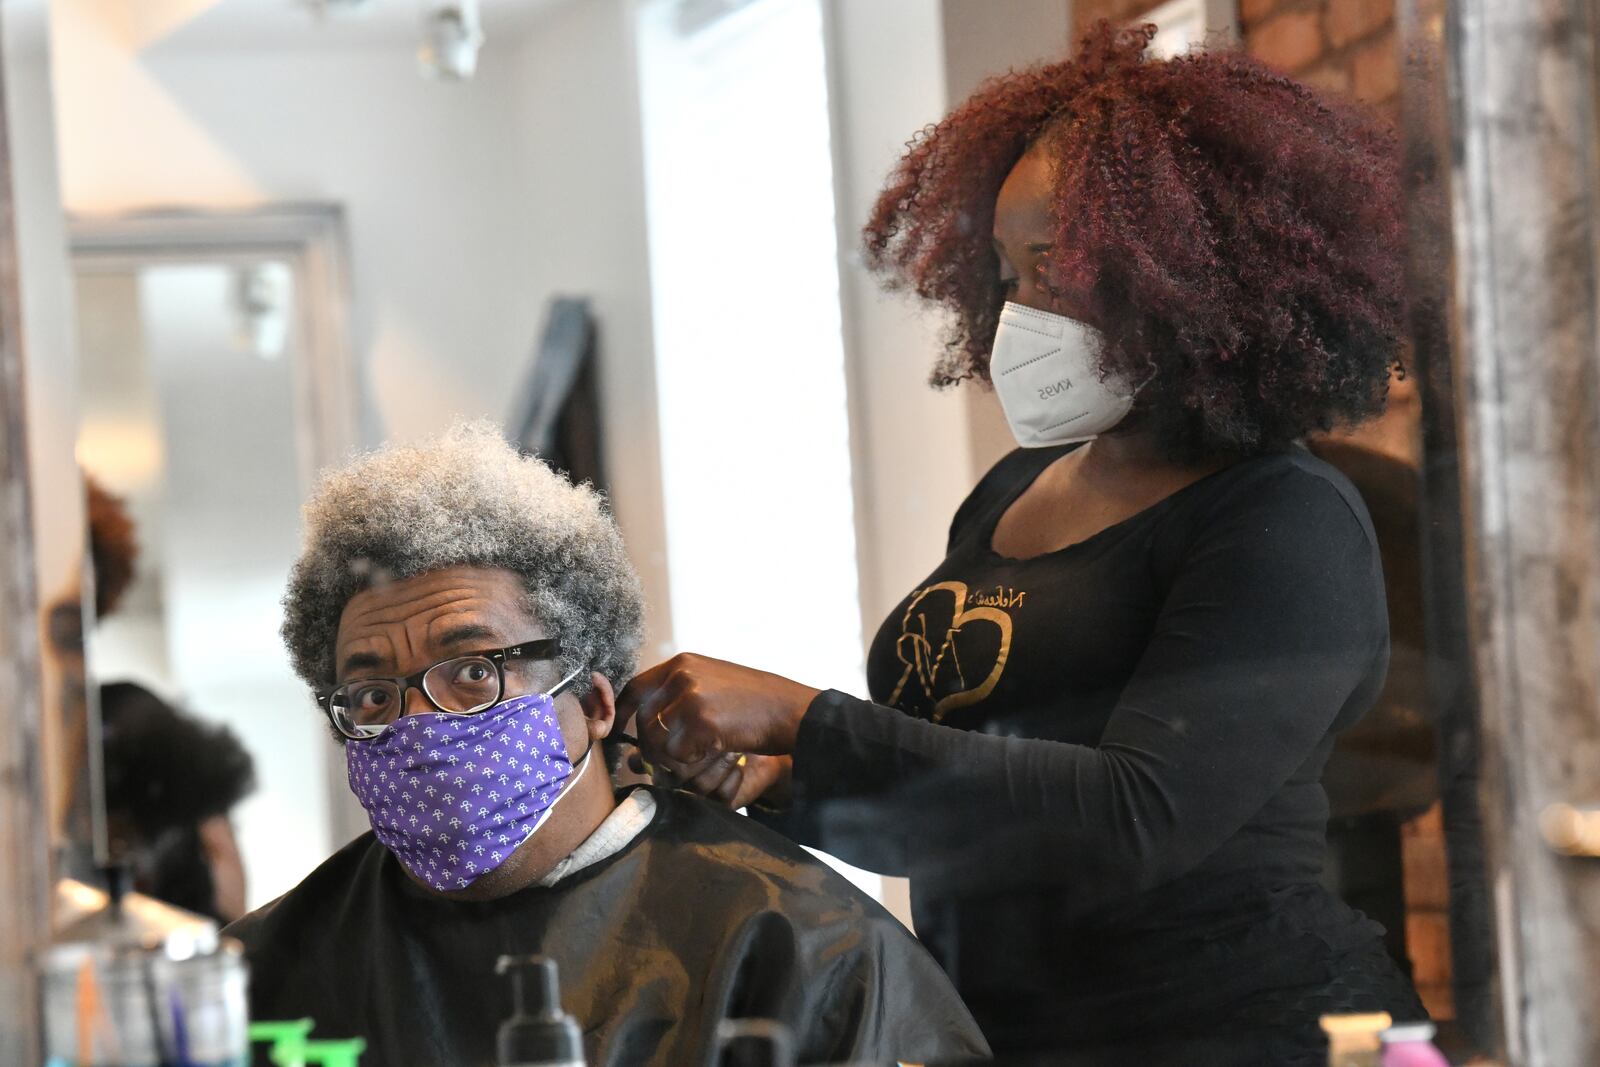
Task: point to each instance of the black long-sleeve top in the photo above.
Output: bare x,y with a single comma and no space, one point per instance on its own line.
1100,766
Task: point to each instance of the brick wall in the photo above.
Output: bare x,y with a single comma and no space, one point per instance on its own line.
1086,12
1347,47
1344,45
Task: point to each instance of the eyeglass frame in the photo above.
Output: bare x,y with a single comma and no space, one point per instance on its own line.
541,649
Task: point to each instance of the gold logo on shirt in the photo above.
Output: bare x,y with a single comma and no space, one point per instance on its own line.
948,670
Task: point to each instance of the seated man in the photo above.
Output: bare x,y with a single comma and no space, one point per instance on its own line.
464,616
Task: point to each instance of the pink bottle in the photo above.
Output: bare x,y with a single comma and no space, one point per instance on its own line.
1411,1045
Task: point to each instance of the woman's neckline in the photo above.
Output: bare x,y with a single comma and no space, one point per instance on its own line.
992,522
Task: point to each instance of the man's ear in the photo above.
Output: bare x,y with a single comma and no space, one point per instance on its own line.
599,706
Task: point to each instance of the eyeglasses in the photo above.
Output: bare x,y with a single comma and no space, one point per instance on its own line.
460,685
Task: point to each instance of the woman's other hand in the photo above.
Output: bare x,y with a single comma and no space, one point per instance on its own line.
694,716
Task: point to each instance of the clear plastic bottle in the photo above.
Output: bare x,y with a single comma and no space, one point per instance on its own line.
130,980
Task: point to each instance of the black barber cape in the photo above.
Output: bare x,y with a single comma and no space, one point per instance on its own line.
704,916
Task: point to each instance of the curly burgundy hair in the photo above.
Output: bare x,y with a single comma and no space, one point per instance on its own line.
1241,232
113,547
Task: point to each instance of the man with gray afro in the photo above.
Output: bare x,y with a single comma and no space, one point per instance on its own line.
465,499
464,616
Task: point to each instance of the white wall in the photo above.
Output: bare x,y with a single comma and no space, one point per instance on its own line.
438,300
571,114
911,442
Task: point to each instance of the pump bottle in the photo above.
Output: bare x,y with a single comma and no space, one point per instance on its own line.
539,1033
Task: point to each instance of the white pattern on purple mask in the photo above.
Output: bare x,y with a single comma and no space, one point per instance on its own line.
452,796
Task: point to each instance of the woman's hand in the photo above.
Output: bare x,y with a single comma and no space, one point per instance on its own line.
740,779
694,716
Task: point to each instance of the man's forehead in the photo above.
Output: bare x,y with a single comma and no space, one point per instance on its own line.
469,601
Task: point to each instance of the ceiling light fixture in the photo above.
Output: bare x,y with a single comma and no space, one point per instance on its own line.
452,35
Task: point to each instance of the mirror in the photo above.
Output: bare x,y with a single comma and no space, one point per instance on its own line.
211,369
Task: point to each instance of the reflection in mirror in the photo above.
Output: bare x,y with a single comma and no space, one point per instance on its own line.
196,436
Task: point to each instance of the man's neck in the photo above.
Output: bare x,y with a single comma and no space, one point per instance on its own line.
635,811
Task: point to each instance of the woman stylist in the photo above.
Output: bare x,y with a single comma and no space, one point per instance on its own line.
1097,728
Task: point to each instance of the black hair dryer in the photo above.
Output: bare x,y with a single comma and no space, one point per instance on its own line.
539,1033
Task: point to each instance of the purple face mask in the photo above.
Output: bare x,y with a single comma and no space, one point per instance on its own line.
452,796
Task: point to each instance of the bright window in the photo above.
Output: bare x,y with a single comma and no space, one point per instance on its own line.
761,547
749,357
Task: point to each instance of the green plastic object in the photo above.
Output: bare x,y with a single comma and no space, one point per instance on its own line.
336,1053
288,1040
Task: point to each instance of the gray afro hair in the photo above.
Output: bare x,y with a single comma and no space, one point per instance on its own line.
465,498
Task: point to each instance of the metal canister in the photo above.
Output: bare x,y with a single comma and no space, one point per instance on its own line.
131,982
